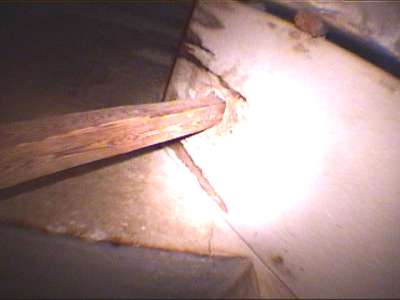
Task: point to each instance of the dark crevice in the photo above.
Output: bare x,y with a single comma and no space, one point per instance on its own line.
368,50
279,10
186,54
365,48
193,38
181,42
189,36
188,161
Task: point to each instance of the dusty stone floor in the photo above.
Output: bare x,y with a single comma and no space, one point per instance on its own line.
296,171
92,62
62,59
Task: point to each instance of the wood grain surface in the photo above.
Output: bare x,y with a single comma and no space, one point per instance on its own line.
31,149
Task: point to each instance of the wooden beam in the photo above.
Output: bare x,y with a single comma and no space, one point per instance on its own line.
31,149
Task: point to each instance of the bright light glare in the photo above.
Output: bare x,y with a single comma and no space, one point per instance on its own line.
275,156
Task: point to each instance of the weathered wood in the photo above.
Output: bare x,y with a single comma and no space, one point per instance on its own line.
32,149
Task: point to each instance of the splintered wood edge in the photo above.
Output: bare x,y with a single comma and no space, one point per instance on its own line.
31,149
